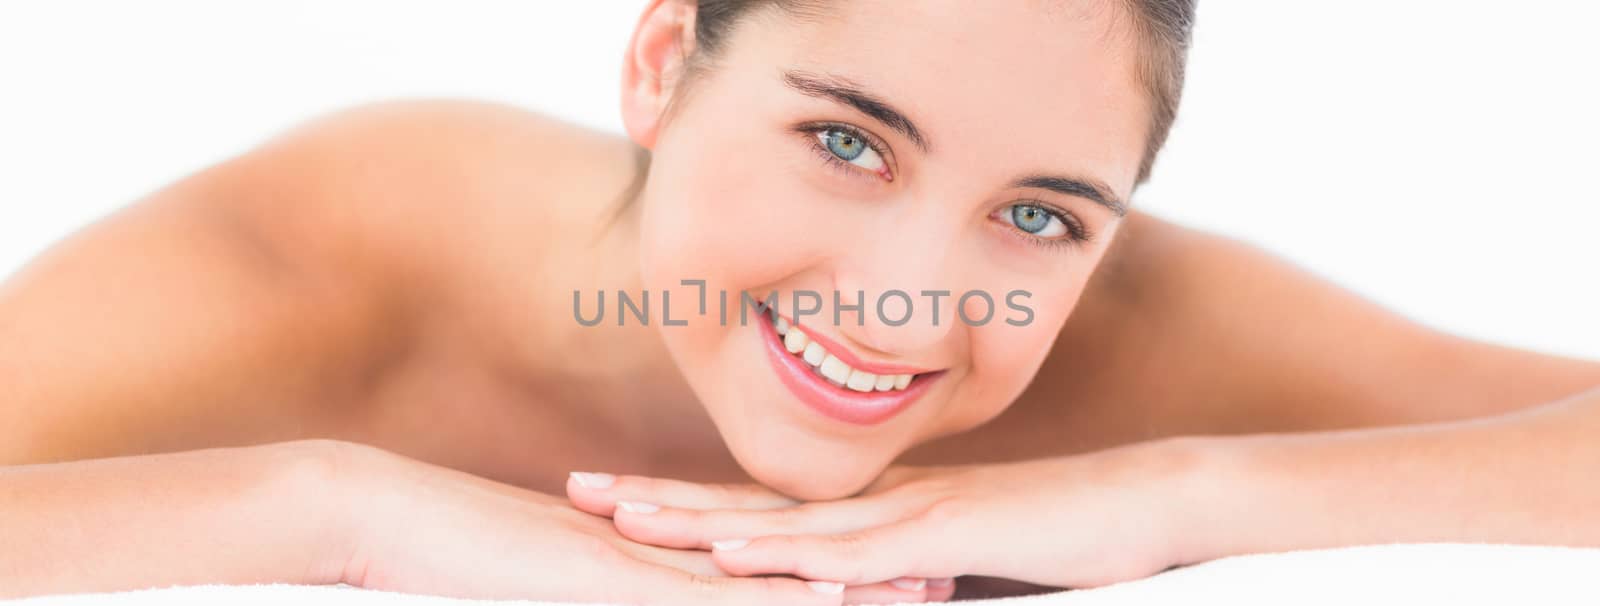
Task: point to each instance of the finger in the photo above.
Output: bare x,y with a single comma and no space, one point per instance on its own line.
598,493
941,589
697,529
700,563
901,549
893,592
661,585
690,561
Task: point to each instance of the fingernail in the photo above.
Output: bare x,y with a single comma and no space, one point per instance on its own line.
637,507
941,582
909,584
826,586
593,480
729,544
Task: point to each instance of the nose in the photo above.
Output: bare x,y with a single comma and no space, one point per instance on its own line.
907,286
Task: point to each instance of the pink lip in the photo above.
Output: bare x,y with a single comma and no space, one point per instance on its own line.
848,405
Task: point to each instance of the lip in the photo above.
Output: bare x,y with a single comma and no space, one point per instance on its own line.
848,405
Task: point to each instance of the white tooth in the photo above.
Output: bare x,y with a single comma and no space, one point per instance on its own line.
861,381
783,326
901,381
795,341
815,353
885,383
835,369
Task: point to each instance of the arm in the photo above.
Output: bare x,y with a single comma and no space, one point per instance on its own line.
238,515
324,512
264,300
200,316
1524,477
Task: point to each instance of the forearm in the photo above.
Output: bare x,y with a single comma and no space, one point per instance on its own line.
236,515
1531,476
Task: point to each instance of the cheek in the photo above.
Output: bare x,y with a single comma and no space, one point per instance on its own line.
717,216
1005,358
741,226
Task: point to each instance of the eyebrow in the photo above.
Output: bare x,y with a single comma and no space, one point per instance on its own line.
842,90
1089,189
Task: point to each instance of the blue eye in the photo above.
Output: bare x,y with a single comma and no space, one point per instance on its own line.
1031,219
851,148
1035,220
844,145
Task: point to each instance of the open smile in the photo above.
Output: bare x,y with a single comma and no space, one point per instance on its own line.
832,380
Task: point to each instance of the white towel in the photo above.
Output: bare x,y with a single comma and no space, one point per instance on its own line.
1383,574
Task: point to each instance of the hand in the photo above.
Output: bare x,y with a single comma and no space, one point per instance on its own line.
1074,521
428,529
600,494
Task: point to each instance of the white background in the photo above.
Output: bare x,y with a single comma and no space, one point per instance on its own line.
1436,156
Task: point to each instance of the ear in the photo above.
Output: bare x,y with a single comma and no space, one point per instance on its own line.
651,68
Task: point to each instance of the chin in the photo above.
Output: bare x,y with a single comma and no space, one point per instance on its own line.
803,474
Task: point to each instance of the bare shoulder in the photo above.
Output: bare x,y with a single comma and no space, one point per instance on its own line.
1149,249
429,187
1116,367
1237,338
1183,331
257,299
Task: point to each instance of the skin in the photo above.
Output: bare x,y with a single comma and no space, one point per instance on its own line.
369,318
823,228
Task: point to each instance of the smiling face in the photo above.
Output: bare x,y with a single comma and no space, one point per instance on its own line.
881,146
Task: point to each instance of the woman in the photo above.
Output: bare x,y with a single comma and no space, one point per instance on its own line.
363,352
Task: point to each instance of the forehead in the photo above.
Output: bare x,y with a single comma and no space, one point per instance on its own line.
1051,83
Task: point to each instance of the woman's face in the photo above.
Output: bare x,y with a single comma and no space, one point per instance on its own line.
909,146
